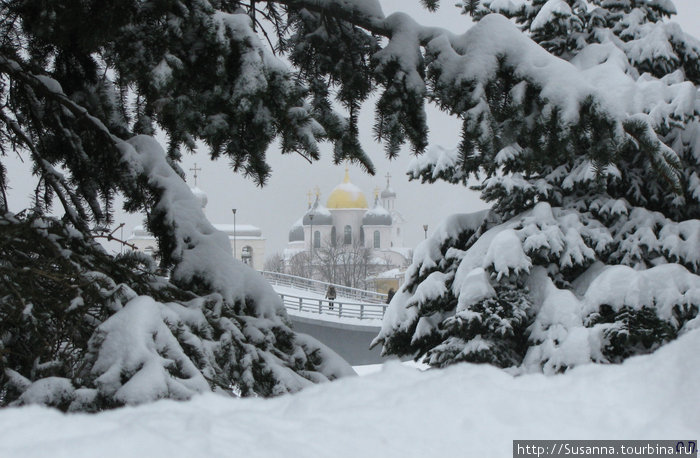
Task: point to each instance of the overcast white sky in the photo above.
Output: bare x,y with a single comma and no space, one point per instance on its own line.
284,199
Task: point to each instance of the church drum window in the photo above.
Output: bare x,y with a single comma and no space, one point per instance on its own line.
376,239
333,236
347,239
317,239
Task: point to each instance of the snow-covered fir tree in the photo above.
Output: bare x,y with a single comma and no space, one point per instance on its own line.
85,84
592,249
634,35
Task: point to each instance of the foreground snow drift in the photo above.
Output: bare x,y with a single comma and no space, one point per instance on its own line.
464,410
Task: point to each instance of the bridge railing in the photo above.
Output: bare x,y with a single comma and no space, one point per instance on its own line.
341,309
320,287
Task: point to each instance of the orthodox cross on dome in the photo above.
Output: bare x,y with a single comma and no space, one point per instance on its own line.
376,193
195,169
317,191
388,177
347,175
308,196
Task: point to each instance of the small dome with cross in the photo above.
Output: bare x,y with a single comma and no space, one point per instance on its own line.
388,192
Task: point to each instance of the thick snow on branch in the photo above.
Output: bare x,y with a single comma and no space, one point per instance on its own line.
136,345
553,8
426,259
200,252
597,86
404,48
592,292
662,287
563,334
474,57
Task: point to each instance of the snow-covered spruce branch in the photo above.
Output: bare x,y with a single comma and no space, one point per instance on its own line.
460,69
463,71
549,289
74,210
44,92
591,250
365,14
50,88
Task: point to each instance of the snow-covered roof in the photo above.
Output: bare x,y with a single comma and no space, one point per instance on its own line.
391,273
321,215
397,217
242,230
377,216
296,232
403,251
292,250
140,232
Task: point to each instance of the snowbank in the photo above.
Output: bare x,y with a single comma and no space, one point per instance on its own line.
464,410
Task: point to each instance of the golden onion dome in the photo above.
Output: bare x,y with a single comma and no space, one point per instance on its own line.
346,195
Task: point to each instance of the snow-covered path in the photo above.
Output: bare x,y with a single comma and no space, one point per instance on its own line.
465,410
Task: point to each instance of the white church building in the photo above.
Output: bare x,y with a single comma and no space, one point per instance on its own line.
347,219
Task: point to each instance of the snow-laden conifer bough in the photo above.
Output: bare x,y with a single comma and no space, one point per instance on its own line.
612,168
591,252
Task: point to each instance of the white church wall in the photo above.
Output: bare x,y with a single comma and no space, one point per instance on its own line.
324,232
384,236
348,217
397,235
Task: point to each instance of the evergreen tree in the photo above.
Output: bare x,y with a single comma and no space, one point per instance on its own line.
568,210
633,34
85,84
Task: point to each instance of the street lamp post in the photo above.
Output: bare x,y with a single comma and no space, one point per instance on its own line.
311,248
425,229
235,255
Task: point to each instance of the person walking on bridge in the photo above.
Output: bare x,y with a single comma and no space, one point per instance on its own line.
330,295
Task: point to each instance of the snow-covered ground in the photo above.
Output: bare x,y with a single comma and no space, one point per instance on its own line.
464,410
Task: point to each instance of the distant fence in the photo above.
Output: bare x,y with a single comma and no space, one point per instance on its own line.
341,309
320,287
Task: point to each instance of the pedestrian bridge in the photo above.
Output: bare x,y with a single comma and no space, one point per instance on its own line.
346,324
